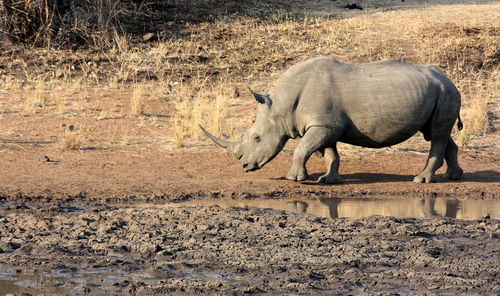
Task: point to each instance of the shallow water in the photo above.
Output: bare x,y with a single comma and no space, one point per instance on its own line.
101,282
18,282
402,207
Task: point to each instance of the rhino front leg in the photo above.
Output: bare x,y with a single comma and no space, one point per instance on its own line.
332,161
314,139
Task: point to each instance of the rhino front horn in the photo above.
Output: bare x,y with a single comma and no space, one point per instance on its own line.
226,144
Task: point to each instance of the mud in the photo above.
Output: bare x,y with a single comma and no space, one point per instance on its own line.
149,248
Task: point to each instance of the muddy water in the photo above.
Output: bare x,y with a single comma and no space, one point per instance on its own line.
17,282
97,281
467,209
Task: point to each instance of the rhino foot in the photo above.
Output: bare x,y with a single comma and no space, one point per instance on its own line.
299,175
424,178
330,179
453,175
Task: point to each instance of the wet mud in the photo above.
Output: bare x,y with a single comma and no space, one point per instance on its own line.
82,247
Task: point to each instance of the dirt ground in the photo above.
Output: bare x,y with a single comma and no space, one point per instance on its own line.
152,175
109,218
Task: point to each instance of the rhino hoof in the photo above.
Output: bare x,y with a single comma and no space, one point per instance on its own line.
328,179
423,179
452,175
297,176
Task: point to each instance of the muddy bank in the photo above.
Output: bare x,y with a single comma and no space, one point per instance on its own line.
186,250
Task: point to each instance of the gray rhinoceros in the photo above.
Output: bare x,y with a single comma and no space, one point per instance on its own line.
379,104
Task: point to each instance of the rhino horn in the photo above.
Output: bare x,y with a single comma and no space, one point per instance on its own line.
231,146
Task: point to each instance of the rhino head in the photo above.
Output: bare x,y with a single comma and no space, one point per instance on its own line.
262,142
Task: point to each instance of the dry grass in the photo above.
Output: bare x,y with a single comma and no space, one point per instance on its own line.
464,138
71,140
462,46
479,115
200,68
137,101
69,24
206,106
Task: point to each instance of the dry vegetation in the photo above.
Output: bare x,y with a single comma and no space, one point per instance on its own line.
197,69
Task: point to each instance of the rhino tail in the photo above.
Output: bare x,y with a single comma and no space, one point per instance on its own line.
460,125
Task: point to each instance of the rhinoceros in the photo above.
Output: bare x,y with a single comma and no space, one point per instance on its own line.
324,101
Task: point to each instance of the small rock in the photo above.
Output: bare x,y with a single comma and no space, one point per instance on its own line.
316,276
42,158
82,289
149,37
14,246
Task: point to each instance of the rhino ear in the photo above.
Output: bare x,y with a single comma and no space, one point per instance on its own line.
262,99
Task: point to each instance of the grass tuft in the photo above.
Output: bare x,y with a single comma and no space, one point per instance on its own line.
137,101
464,138
200,105
72,140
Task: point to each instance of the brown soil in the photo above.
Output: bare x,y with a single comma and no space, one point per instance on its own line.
114,174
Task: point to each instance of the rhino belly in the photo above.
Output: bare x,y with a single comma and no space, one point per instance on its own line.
378,129
354,136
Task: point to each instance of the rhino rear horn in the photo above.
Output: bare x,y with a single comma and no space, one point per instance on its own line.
226,144
262,99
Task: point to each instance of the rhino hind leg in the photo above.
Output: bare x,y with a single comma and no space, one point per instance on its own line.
434,161
332,161
313,140
454,172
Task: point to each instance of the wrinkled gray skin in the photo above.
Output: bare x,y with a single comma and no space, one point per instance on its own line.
324,101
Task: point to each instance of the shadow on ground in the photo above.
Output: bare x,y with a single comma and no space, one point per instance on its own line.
489,176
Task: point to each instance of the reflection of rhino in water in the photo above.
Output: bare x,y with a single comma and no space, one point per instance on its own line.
408,208
427,205
324,101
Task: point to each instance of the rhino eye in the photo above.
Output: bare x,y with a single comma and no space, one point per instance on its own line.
256,139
